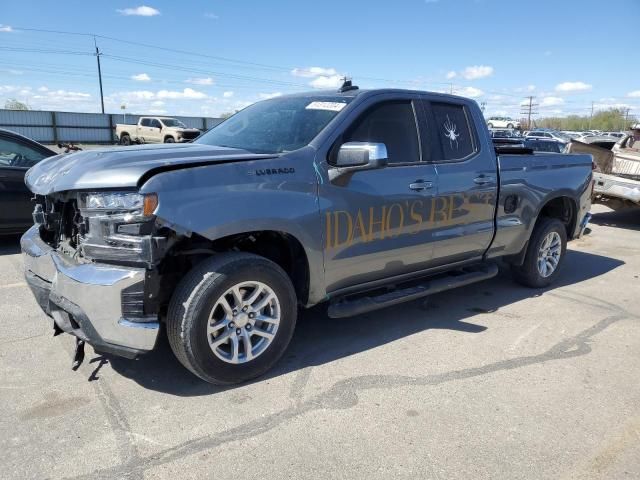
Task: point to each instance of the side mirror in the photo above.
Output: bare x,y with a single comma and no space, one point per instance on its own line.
355,156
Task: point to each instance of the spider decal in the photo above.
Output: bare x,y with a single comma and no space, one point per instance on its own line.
451,132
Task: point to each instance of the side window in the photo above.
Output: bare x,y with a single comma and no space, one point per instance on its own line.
14,154
145,122
454,131
155,123
392,123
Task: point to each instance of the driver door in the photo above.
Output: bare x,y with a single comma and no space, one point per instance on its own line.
376,222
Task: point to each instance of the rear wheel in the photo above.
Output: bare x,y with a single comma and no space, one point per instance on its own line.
490,125
125,139
232,317
510,125
545,254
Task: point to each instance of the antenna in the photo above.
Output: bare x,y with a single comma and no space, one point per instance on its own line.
347,85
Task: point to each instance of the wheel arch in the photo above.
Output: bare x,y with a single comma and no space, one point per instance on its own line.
563,207
281,247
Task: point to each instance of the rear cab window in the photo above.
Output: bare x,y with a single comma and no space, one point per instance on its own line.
453,135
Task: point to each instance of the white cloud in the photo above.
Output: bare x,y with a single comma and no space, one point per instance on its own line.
470,92
158,111
6,28
201,81
551,101
527,88
141,77
634,94
332,81
212,16
228,94
267,96
141,11
313,72
136,95
187,94
451,75
157,103
477,71
569,87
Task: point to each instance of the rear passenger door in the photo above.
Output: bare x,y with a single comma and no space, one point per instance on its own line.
467,183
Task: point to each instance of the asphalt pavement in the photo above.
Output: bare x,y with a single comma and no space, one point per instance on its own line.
490,381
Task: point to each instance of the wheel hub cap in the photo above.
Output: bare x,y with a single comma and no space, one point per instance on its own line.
243,322
549,254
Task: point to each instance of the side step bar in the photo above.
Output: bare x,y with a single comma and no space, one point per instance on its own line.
357,304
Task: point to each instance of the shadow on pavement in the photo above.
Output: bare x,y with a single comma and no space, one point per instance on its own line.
319,340
628,218
9,244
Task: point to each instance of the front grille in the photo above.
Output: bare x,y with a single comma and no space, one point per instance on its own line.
60,221
190,135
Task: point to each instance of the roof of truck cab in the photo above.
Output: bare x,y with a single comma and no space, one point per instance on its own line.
370,92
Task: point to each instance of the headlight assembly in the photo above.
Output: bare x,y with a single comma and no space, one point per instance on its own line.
118,226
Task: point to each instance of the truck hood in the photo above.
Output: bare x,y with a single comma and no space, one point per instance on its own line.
123,167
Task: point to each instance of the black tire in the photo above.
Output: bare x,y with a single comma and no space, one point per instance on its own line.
528,273
125,140
510,125
196,296
169,140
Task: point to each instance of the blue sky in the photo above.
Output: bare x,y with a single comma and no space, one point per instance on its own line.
567,54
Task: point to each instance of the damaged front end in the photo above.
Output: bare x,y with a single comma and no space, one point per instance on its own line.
91,261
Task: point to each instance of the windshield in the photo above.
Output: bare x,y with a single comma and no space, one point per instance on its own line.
172,122
277,125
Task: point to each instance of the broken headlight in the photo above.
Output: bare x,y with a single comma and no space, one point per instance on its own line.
117,226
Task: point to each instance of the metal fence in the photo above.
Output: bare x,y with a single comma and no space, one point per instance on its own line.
53,127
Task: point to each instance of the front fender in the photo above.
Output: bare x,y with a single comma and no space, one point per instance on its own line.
277,194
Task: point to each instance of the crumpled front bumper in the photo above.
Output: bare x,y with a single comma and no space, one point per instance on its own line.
85,299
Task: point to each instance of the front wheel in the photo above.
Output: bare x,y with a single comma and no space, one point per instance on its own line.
232,317
545,254
510,126
169,140
490,125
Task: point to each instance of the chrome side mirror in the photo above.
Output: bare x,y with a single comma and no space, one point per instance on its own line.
355,156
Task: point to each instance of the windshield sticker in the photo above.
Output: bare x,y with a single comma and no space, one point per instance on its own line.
331,106
451,132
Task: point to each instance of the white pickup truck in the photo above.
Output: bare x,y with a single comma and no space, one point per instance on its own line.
155,130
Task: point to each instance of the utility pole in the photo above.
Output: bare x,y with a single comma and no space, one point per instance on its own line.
591,116
529,111
626,121
451,88
99,74
483,106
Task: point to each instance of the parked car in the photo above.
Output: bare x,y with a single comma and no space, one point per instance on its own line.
544,145
349,199
17,155
502,122
548,134
155,130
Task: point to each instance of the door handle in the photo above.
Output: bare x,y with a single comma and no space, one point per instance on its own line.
483,179
420,185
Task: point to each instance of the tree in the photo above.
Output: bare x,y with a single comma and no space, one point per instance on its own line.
606,120
13,104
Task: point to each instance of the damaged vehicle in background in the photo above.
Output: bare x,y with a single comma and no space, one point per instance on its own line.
617,176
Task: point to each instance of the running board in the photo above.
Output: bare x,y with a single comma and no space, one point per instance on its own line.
351,305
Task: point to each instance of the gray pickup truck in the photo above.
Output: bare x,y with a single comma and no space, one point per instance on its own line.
362,199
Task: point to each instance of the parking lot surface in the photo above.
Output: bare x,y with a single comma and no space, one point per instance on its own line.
492,380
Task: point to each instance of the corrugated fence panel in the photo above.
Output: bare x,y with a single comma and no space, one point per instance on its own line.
65,119
78,127
85,135
39,134
24,117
